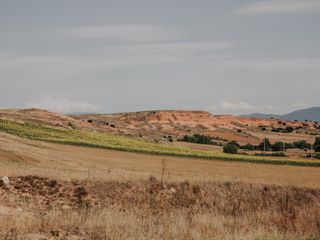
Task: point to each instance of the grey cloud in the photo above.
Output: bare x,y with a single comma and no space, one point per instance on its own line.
122,32
62,105
279,6
164,54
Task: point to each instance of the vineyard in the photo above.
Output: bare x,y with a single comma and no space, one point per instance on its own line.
95,139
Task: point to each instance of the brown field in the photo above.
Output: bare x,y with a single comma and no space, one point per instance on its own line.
24,157
102,194
70,193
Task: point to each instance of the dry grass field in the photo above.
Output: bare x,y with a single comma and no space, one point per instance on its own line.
64,162
69,192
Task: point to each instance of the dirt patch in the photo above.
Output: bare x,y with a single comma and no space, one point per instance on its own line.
47,193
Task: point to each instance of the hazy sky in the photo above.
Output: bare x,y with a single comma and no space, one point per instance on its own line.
234,56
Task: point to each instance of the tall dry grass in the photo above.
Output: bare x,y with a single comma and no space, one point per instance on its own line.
161,210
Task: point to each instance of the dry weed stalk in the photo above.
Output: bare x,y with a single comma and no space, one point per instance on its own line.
164,165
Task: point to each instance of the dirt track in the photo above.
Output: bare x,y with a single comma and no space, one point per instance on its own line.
23,157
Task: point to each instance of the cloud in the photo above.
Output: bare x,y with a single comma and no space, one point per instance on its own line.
236,106
169,48
118,56
122,32
279,6
301,105
62,105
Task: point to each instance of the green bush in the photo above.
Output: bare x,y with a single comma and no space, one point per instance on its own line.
198,138
289,129
230,148
249,147
278,146
302,145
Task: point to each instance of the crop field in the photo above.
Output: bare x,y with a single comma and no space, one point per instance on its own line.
122,143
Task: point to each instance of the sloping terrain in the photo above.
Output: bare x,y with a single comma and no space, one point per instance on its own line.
130,144
67,192
41,116
19,156
157,124
63,192
311,114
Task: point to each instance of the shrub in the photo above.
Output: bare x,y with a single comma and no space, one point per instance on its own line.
316,144
277,129
249,147
197,138
234,143
230,148
302,144
278,146
289,129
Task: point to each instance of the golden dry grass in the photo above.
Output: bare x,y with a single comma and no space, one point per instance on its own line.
198,199
158,210
22,157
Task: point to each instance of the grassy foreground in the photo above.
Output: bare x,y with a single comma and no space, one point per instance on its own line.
152,209
115,142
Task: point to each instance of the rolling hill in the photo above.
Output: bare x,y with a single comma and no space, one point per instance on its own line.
312,114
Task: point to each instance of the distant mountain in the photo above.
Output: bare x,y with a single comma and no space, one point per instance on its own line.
312,114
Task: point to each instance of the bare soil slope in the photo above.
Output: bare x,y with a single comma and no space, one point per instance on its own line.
157,124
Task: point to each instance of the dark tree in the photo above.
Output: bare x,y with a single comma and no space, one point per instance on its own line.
230,148
316,144
278,146
265,145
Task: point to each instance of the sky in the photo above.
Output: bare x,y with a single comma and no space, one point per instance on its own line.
225,57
